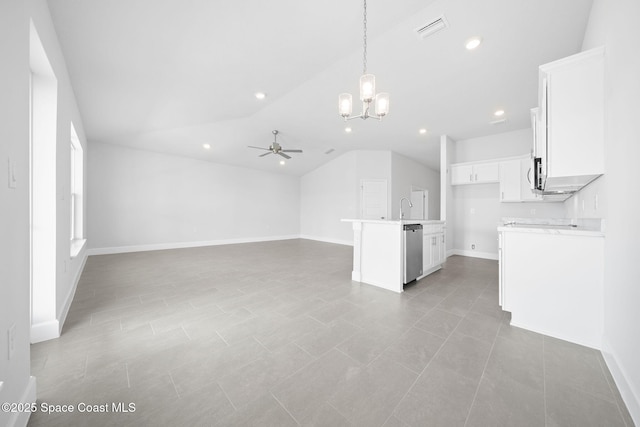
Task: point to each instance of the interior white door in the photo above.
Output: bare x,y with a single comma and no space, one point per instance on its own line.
419,200
373,198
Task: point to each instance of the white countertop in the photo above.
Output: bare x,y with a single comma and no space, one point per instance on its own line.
396,221
552,229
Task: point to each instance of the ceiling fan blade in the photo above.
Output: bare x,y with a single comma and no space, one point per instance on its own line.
265,154
259,148
291,151
284,155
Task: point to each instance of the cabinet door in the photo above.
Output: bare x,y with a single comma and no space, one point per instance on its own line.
486,172
427,245
526,176
576,116
438,249
434,250
461,174
510,186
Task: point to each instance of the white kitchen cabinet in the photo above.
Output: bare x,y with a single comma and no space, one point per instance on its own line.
475,173
510,185
570,138
515,181
433,249
526,175
552,282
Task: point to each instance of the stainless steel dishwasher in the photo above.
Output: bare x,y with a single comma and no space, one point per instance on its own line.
412,252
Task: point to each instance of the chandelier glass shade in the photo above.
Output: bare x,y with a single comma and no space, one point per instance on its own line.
367,91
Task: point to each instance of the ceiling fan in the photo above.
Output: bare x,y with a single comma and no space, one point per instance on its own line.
275,148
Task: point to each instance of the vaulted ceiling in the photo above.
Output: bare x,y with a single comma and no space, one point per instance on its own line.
172,75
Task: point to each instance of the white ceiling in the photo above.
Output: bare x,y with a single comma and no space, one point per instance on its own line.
170,75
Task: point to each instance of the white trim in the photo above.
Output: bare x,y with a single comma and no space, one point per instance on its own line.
630,396
76,247
21,418
473,254
327,240
429,271
45,331
62,314
590,344
182,245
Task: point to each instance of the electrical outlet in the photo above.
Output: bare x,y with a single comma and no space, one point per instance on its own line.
473,246
533,211
11,338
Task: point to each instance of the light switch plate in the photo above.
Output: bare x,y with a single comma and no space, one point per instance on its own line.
11,338
11,173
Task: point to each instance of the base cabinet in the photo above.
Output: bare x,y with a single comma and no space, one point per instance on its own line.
553,284
433,248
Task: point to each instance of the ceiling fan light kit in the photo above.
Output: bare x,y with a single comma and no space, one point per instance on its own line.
275,148
367,90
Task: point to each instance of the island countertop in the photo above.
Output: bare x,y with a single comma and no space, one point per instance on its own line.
396,221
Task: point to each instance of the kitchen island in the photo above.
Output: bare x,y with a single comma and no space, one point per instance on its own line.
378,251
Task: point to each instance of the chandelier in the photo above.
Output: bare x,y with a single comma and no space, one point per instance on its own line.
367,90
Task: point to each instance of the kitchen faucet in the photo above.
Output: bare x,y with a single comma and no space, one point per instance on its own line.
410,205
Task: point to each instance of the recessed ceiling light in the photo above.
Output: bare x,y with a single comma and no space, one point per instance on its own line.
422,131
282,162
499,113
261,95
473,43
206,146
347,130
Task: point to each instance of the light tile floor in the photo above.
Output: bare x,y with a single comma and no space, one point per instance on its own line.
276,334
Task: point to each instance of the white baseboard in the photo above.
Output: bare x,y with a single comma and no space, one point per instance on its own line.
21,419
327,240
473,254
45,331
62,314
182,245
629,394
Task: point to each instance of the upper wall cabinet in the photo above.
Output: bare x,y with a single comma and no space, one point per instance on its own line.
475,173
569,138
515,180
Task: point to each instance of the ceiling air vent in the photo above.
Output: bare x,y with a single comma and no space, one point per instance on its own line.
430,28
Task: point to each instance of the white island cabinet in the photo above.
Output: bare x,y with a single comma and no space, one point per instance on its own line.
378,251
551,280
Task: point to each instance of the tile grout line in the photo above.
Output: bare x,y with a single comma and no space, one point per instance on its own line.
603,366
227,396
475,395
126,368
284,407
417,378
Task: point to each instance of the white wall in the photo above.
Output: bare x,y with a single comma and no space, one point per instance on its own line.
613,23
14,203
407,173
15,18
67,269
477,207
141,200
332,191
328,194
